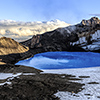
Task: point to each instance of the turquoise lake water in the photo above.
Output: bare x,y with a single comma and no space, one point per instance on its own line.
62,60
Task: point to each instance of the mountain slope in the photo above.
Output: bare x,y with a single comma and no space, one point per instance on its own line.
8,46
82,36
12,51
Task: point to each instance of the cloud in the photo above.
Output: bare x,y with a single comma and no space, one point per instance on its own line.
95,15
23,31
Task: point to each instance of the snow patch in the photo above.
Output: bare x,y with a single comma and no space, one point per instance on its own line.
5,83
96,35
67,30
80,41
29,74
8,76
95,38
92,47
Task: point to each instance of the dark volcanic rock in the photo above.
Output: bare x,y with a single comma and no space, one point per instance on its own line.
38,87
54,41
26,43
10,68
84,76
93,83
15,57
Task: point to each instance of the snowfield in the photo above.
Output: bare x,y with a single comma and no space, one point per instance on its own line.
7,77
91,89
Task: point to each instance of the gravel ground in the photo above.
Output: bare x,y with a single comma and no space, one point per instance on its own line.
26,83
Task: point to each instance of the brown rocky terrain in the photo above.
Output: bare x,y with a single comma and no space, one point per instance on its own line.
11,51
9,46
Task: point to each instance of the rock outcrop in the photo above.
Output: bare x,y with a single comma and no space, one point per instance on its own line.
89,34
84,36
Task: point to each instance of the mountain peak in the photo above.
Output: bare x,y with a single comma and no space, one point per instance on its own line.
55,20
91,22
11,46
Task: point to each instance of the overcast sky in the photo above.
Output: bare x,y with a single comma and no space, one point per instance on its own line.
70,11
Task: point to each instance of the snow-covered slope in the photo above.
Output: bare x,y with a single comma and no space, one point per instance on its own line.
21,31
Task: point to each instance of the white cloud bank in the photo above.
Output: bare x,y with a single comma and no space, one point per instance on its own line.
21,31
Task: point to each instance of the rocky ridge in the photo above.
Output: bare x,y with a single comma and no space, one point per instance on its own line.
84,36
